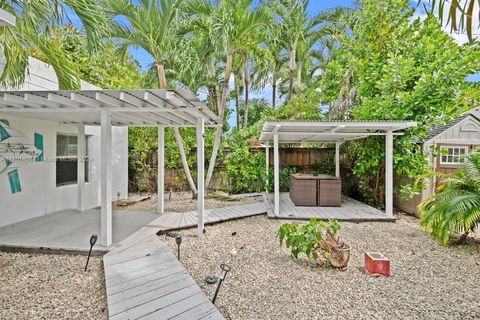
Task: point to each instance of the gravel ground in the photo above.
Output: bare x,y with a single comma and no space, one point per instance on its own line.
428,281
183,202
48,286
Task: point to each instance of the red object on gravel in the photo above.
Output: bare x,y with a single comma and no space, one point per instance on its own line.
376,264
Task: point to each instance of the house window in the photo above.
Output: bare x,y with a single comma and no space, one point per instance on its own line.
453,155
67,157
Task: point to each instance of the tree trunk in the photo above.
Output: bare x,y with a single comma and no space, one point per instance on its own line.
178,138
237,107
299,76
246,81
274,89
221,115
292,72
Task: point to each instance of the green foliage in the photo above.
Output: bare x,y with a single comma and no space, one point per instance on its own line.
455,207
244,167
102,68
305,106
285,173
258,109
306,238
403,69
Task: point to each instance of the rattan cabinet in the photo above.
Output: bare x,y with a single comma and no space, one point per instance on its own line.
315,190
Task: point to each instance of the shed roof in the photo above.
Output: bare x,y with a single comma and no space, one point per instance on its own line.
158,107
328,131
439,129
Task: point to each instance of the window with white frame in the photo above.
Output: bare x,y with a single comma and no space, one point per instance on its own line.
67,160
453,154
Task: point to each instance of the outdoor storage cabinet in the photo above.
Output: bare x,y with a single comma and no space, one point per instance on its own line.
315,190
303,191
329,193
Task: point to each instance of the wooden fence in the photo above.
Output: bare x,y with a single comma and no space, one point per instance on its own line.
304,159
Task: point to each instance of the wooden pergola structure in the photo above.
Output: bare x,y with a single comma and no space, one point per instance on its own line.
335,132
106,108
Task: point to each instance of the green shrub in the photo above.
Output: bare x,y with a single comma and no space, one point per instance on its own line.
307,239
455,208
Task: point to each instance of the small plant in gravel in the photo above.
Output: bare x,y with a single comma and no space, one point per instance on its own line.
317,240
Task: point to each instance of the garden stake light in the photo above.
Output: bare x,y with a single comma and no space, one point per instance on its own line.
223,275
93,240
178,240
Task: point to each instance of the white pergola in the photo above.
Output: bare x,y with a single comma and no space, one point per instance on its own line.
107,108
6,19
335,132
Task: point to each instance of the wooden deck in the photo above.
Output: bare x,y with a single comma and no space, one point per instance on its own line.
351,210
145,280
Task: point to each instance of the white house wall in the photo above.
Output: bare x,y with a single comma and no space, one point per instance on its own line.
40,195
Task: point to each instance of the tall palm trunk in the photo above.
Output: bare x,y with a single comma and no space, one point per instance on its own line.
246,81
299,76
292,72
221,115
274,89
237,106
178,137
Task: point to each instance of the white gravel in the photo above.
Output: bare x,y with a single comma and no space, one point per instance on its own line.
428,282
48,286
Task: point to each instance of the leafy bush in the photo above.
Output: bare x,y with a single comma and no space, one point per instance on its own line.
315,239
455,208
244,168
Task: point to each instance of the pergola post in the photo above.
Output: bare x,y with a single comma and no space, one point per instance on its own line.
200,174
106,178
389,173
276,174
267,162
161,171
337,159
81,158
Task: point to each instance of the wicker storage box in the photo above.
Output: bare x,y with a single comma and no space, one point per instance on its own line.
330,193
303,192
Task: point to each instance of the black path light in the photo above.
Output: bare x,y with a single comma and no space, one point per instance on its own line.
223,274
178,241
93,240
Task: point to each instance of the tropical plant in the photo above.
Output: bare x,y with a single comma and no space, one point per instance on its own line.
233,24
32,33
300,33
455,207
153,26
316,239
459,14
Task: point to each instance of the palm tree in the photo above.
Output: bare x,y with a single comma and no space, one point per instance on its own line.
152,25
301,33
232,23
455,208
459,14
32,34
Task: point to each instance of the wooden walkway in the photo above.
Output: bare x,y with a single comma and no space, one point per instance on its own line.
145,280
350,210
177,221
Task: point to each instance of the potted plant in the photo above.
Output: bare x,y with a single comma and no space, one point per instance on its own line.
318,241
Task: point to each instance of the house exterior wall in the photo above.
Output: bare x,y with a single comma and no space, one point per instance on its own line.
39,194
465,133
